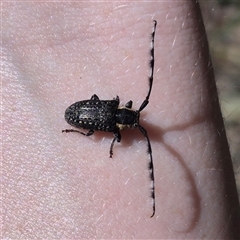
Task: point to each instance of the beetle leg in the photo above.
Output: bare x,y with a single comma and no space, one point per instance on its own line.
117,98
94,97
117,136
129,104
89,133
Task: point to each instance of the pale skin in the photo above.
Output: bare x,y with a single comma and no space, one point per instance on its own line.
64,185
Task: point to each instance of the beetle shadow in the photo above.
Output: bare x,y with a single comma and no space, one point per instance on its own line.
155,134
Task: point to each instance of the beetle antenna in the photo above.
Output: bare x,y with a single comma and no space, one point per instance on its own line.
151,63
150,166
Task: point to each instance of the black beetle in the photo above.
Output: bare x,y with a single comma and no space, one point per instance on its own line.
106,115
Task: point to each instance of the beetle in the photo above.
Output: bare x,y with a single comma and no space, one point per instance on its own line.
106,115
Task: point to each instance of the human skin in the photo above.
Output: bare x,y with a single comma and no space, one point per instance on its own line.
59,185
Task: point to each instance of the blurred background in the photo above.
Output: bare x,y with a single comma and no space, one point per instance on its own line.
222,22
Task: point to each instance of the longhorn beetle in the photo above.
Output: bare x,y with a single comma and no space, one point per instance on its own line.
106,115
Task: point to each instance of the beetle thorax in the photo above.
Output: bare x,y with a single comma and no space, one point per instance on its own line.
127,118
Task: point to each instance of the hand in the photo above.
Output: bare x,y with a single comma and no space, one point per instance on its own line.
65,185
